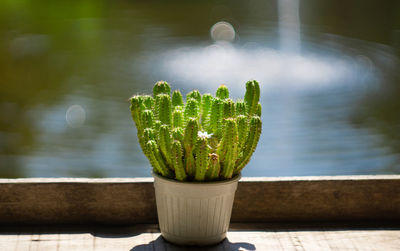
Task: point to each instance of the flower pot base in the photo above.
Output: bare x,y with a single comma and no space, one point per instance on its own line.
195,241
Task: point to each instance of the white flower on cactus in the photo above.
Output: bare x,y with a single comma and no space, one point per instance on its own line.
204,135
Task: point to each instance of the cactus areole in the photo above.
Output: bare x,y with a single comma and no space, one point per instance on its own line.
204,139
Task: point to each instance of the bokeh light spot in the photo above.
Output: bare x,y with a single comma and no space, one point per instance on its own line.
222,31
75,116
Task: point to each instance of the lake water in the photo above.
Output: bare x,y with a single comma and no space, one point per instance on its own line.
329,75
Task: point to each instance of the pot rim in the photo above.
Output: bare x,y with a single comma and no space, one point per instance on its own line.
198,183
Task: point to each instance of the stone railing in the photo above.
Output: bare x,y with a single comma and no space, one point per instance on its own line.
131,200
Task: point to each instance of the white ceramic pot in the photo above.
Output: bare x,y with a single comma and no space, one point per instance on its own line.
194,213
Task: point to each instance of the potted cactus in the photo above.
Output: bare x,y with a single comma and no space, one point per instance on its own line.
197,150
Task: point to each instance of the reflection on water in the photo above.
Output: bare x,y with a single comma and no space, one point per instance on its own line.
289,25
330,100
224,63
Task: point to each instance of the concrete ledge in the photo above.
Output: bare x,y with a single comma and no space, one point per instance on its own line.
130,201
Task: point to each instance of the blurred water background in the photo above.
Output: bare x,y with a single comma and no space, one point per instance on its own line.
329,73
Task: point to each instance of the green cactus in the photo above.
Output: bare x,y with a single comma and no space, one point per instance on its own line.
192,109
148,102
228,108
146,118
250,145
180,173
189,141
215,122
161,87
177,117
228,148
178,134
213,167
206,104
208,138
240,107
164,108
177,99
242,125
252,97
154,156
258,112
164,141
195,94
156,125
202,152
136,102
222,92
149,134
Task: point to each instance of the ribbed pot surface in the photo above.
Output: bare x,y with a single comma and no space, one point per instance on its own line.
194,213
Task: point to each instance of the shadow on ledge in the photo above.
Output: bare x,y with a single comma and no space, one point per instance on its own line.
161,244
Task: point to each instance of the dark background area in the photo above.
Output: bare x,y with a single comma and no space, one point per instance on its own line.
67,68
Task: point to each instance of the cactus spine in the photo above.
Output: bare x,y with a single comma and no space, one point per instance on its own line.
207,138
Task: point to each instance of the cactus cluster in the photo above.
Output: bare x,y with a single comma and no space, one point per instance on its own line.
205,139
